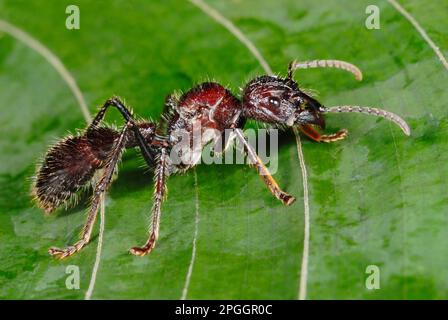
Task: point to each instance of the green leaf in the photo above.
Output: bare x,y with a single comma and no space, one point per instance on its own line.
376,198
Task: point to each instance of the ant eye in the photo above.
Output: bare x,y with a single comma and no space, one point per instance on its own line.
274,101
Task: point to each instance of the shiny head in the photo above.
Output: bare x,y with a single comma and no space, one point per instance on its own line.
279,101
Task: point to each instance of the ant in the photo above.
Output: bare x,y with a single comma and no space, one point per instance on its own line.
72,162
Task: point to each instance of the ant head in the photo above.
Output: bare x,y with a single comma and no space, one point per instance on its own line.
279,101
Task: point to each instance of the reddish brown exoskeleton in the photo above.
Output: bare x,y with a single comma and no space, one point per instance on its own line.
71,164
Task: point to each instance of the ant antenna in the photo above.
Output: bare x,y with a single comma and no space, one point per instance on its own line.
370,111
338,64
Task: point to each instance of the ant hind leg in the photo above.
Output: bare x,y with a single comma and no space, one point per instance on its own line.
146,150
99,192
111,157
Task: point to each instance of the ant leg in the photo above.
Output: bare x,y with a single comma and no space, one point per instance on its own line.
264,172
316,136
162,125
112,102
340,135
160,176
127,115
339,64
100,189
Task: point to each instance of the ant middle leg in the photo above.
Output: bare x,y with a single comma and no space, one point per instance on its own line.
100,189
160,176
316,136
264,173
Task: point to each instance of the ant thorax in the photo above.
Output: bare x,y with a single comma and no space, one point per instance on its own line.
201,116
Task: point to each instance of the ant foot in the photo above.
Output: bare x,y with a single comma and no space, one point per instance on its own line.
67,252
62,253
287,199
140,251
340,135
147,248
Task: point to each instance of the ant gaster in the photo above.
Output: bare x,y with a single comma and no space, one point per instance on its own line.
71,164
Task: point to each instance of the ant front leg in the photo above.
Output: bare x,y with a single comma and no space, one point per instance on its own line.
160,176
316,136
100,189
264,172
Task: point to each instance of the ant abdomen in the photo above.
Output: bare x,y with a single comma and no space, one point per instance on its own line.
70,165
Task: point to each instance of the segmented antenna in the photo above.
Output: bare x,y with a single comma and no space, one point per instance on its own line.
339,64
371,111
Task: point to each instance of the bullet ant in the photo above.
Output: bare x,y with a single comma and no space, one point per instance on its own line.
71,164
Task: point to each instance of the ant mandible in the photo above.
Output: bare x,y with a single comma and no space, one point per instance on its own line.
71,164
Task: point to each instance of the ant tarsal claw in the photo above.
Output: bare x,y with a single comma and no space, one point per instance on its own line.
62,253
54,251
147,248
66,252
287,199
340,135
140,251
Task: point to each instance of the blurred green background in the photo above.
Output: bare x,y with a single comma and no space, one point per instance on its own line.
376,198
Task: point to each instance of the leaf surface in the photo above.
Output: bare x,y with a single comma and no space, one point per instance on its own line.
376,198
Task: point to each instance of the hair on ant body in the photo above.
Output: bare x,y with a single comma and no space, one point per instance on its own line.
72,162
